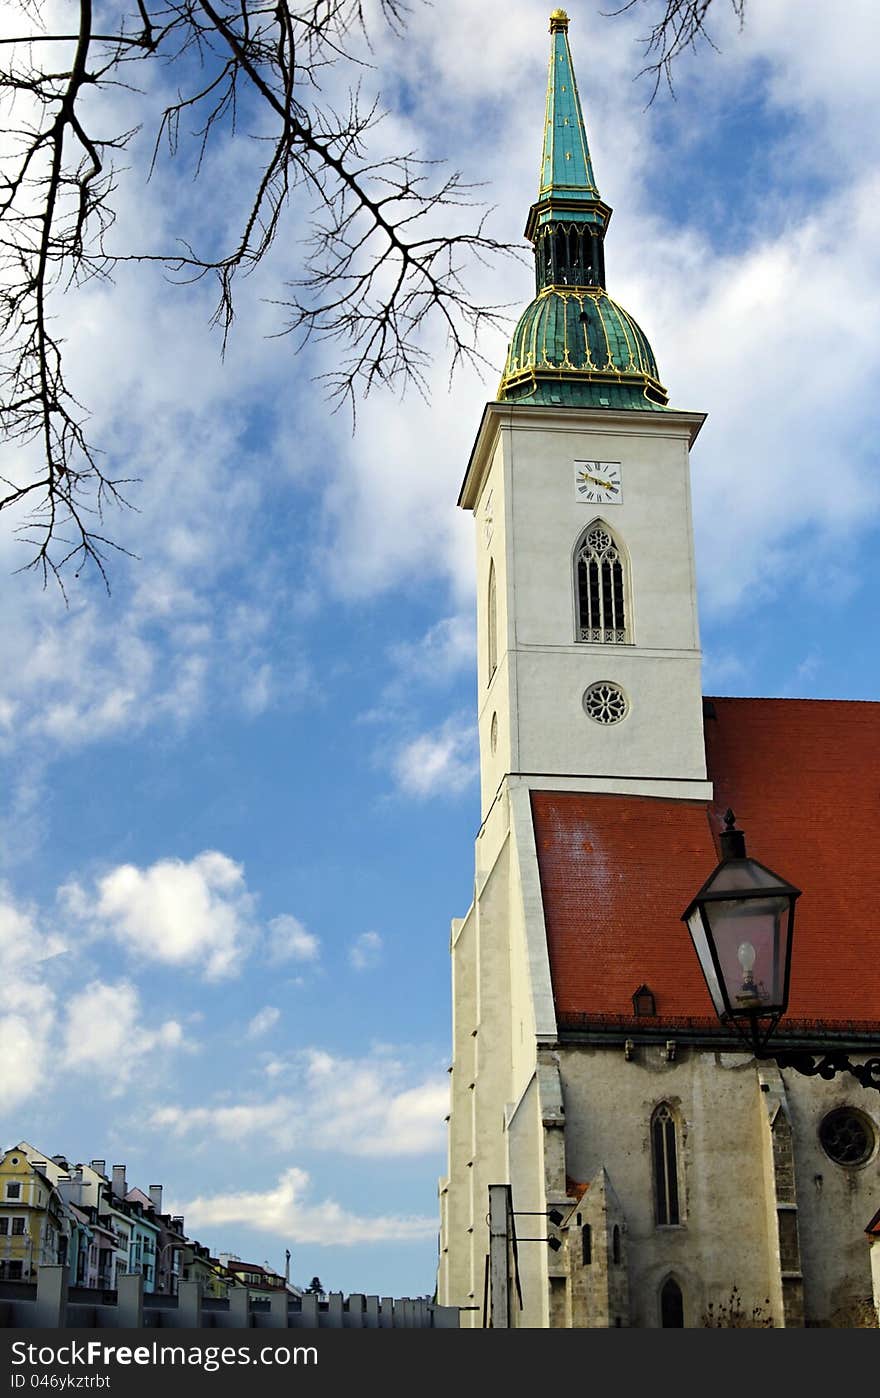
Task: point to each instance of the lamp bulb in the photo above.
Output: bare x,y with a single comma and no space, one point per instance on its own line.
746,957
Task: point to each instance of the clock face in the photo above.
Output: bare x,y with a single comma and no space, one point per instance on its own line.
598,482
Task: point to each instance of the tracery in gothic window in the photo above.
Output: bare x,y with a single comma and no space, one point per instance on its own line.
600,578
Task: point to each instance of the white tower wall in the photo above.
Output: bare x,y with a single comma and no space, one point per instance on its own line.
521,486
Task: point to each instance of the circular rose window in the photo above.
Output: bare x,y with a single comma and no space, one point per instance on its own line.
847,1136
605,702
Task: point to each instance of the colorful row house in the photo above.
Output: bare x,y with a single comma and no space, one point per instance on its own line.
53,1212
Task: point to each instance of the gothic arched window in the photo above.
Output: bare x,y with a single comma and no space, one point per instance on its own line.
615,1244
492,621
600,578
664,1150
671,1305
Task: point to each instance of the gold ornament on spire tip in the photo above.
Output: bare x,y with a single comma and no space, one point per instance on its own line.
559,20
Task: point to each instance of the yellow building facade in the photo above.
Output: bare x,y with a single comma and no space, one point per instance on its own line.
32,1230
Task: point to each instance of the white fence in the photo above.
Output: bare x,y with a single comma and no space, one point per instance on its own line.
53,1304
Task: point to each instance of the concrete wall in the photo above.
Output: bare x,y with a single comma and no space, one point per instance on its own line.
52,1305
762,1205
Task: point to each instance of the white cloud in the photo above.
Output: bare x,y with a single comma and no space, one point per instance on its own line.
750,351
287,1212
27,1004
196,914
366,951
101,1030
360,1106
264,1020
230,1123
441,762
104,1033
369,1103
721,669
447,648
289,940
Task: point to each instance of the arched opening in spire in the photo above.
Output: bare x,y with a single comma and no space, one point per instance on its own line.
569,255
603,606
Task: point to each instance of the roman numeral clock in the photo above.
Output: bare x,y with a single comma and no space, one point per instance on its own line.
598,482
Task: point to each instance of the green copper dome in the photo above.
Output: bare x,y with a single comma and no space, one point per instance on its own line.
574,345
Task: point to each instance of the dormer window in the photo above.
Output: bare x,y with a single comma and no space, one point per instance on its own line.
643,1002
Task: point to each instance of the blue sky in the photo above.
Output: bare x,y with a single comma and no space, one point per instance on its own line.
239,795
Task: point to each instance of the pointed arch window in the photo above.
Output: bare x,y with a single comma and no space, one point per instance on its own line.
600,579
492,621
671,1305
664,1151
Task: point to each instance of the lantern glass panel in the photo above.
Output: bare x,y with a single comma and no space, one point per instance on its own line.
751,945
697,929
743,876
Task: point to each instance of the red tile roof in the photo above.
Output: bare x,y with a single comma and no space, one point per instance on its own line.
803,777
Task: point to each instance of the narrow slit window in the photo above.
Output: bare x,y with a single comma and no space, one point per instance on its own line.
665,1159
601,588
492,622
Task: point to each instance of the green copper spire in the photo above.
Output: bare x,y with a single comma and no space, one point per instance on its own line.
567,192
573,345
566,168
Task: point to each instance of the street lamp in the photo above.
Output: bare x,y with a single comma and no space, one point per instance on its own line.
741,924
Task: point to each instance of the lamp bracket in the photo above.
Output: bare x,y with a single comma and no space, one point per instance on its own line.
827,1065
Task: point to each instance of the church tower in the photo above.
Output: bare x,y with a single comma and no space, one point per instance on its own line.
590,1076
589,660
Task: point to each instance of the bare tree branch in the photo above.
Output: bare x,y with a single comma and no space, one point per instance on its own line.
681,26
380,265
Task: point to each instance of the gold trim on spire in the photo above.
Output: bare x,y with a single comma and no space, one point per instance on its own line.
559,20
